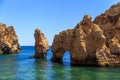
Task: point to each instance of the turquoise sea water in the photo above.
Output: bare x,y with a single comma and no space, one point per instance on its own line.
23,67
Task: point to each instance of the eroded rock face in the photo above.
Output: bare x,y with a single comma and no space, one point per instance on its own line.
8,40
82,42
109,22
91,43
41,44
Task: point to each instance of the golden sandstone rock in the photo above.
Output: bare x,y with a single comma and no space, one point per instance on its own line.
90,43
109,22
8,40
41,44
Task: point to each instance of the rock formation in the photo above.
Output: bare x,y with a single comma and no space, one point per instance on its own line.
109,22
91,43
8,40
41,44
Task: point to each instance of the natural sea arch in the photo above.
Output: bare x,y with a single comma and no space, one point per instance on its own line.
66,58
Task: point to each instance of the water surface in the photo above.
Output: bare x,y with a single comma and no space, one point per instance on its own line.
23,67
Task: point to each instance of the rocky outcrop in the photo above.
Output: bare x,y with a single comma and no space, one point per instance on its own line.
8,40
91,43
41,44
109,22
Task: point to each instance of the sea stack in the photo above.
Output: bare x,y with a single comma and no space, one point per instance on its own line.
41,44
8,40
91,43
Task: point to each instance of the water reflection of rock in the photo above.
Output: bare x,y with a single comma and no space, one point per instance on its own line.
7,67
93,73
26,69
45,69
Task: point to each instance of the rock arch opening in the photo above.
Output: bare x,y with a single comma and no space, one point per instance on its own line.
66,58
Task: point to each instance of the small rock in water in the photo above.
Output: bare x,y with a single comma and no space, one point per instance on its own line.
41,44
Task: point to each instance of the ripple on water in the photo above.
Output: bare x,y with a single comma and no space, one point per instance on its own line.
23,67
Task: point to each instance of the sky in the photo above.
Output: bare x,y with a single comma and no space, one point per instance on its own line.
50,16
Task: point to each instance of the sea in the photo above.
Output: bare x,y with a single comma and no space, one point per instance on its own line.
23,66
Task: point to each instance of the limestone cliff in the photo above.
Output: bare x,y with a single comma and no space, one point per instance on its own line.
109,22
8,40
41,44
91,43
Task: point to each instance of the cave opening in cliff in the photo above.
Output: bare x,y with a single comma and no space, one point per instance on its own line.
66,58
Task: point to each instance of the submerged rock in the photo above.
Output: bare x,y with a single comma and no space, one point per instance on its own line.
91,43
8,40
41,44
